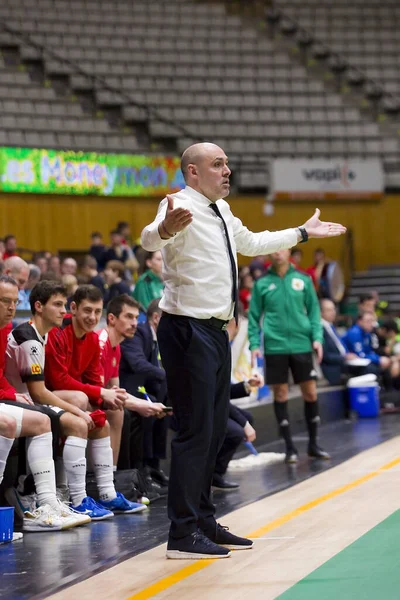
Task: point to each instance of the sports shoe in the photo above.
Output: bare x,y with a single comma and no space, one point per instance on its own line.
121,505
292,456
223,537
92,509
67,512
220,483
314,451
21,503
17,535
42,518
195,545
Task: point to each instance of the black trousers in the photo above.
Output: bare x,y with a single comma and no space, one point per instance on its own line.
197,362
233,438
131,449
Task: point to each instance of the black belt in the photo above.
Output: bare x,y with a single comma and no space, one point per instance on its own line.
211,322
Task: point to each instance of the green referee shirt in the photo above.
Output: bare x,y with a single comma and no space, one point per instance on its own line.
286,309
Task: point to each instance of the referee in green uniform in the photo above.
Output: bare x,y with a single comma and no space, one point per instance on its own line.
285,307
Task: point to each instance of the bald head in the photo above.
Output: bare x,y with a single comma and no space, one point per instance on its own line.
205,169
18,269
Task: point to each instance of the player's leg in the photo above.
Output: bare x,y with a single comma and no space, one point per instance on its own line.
304,374
277,374
8,428
102,459
116,421
76,398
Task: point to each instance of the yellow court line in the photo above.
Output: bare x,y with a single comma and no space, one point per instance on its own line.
198,565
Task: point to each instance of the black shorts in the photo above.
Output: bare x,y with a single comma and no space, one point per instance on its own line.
277,367
53,416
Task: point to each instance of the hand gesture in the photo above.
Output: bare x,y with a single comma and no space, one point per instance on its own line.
176,219
256,380
24,399
322,229
317,346
255,354
249,432
88,420
114,399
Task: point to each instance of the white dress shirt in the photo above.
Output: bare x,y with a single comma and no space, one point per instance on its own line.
197,270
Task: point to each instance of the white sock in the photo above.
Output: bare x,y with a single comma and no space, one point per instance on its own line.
40,459
75,465
5,447
102,458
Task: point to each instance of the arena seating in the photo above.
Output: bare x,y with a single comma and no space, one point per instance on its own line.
182,71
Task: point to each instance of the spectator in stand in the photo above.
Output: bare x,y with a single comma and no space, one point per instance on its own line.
10,246
97,248
114,283
41,262
124,229
315,271
257,267
55,265
70,283
116,251
140,368
2,249
90,273
24,294
245,286
18,269
335,355
362,341
150,284
285,302
69,266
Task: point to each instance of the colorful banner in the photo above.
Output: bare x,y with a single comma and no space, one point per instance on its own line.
88,173
326,179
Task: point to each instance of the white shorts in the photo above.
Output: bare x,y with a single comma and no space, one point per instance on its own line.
16,412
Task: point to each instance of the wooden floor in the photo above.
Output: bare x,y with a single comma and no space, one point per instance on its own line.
295,531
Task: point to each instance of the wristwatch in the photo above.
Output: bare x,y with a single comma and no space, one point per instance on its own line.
304,235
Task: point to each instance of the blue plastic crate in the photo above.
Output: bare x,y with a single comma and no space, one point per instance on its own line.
364,400
6,524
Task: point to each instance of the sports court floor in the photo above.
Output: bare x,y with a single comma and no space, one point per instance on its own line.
322,531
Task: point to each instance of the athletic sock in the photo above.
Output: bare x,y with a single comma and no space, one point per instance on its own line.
282,416
5,447
311,413
102,458
74,460
40,459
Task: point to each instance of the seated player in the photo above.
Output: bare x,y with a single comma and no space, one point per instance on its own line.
20,419
25,363
73,372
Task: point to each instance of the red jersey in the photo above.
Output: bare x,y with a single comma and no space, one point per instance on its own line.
73,363
7,392
109,357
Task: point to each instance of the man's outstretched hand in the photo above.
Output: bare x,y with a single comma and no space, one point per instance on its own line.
176,219
322,229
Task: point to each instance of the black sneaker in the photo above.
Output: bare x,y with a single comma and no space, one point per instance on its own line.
223,537
292,456
314,451
195,546
159,476
219,483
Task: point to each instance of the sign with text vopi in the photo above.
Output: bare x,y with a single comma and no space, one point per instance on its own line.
37,171
326,179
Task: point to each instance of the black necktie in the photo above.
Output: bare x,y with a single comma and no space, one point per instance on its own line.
233,264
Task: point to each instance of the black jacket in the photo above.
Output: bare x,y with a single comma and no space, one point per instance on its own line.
333,363
139,365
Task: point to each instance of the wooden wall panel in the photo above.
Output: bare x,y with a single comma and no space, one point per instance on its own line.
52,222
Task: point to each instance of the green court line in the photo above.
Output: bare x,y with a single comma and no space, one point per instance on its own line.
368,569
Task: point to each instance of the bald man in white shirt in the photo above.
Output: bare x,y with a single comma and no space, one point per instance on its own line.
199,238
